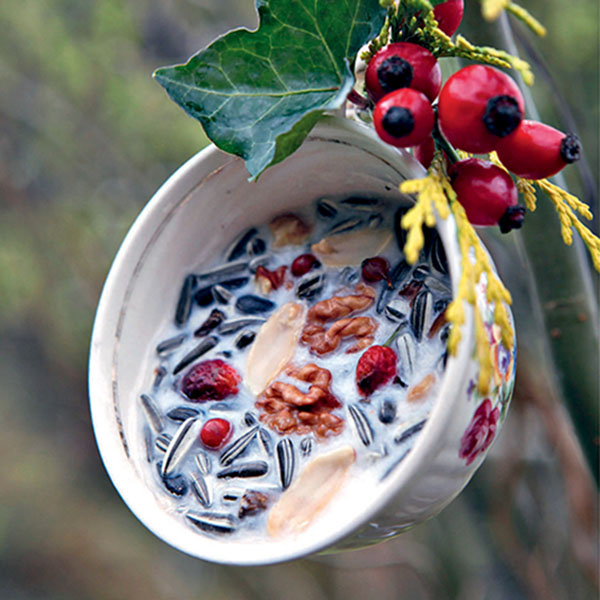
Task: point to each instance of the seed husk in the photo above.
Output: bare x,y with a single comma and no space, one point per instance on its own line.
357,201
393,466
387,411
234,325
326,208
406,353
221,294
203,347
203,463
184,304
204,296
175,484
256,468
250,419
201,490
257,247
345,225
253,305
212,522
266,441
306,445
162,442
395,311
407,430
213,320
308,287
181,413
153,416
223,272
181,444
159,375
361,425
286,461
244,339
237,447
438,256
258,262
167,346
421,316
239,246
148,444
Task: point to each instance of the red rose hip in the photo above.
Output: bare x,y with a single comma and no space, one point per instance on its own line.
210,379
404,118
449,14
537,151
403,65
478,106
215,433
375,368
424,152
487,193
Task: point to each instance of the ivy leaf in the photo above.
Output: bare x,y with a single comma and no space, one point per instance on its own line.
259,93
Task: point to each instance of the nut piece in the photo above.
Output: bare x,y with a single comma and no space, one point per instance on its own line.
274,346
420,390
322,340
352,247
289,229
312,491
287,409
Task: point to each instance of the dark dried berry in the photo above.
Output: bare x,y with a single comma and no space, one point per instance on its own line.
303,264
211,379
376,269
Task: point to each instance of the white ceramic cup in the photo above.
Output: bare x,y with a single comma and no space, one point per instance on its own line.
188,222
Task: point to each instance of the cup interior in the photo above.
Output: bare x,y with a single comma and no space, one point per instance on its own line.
186,225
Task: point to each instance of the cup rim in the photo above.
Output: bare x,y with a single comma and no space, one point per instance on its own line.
105,340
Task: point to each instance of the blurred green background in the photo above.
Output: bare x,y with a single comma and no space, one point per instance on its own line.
86,137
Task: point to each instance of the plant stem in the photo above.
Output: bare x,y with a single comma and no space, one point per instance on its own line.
562,281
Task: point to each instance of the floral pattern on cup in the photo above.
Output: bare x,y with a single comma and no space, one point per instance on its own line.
480,433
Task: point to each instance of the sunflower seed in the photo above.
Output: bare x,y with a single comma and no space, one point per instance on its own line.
406,353
148,444
399,231
258,262
181,413
436,285
222,272
256,247
348,276
175,484
234,325
213,320
387,411
361,424
203,347
201,490
203,463
204,296
184,304
212,522
168,346
250,419
237,447
395,311
153,416
232,495
393,466
159,375
374,221
438,255
239,246
308,287
253,305
407,430
420,272
256,468
222,295
421,316
398,275
345,225
244,339
326,208
306,446
266,441
285,461
162,442
236,283
357,201
180,445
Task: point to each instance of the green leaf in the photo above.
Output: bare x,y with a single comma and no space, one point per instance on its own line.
259,93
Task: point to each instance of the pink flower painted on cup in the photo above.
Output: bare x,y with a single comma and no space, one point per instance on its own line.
481,431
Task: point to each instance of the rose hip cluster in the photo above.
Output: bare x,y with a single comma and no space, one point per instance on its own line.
479,110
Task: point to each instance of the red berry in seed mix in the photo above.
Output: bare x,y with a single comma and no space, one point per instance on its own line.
403,65
215,433
375,368
478,106
210,379
303,264
375,269
537,151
